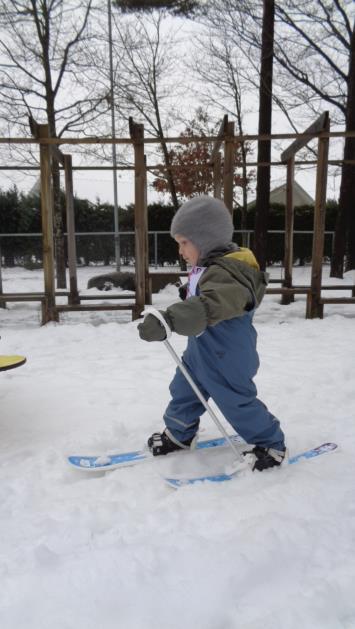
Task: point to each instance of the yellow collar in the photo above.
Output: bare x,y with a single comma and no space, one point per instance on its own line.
244,255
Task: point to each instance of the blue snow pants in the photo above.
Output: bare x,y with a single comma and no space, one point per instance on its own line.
222,362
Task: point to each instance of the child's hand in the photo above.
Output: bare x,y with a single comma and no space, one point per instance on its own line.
151,329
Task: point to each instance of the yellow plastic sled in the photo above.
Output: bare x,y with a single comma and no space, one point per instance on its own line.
10,362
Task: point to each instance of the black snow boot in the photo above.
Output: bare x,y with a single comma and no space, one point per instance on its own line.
161,443
264,458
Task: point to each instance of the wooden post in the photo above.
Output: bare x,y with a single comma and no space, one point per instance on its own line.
140,219
217,183
49,311
69,201
228,170
289,219
66,162
314,307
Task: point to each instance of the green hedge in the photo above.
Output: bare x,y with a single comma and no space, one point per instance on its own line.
20,213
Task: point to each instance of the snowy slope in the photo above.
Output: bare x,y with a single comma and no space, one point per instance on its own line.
123,550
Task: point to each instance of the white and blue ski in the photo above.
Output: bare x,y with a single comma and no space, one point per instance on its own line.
106,462
114,461
177,482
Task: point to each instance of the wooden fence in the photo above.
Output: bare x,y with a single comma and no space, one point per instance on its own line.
223,188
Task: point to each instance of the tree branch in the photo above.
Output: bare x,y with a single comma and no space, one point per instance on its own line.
69,46
285,17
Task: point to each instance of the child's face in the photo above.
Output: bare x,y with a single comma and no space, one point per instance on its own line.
187,250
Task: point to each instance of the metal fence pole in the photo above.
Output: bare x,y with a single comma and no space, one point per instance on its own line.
156,235
2,303
156,249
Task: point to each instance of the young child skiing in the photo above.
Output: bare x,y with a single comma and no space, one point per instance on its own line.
225,286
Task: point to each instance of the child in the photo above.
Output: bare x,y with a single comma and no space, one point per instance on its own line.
225,287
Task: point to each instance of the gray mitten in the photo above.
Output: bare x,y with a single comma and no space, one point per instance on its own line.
151,329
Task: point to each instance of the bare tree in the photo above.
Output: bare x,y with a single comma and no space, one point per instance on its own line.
345,228
313,67
40,52
320,61
147,85
247,27
221,71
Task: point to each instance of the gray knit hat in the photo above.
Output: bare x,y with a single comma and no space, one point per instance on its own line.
206,222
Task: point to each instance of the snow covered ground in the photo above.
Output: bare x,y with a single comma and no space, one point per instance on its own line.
123,550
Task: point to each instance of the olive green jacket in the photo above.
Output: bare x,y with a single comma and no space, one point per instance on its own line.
231,285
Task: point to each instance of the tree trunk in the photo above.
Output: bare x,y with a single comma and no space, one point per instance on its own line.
169,175
344,240
59,241
337,259
349,153
243,154
264,148
244,208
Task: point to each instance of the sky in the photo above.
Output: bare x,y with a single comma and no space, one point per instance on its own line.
96,184
99,184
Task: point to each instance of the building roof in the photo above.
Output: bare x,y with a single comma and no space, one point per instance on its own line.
278,195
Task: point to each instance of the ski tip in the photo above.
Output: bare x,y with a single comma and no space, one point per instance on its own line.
313,452
81,463
106,462
90,464
176,483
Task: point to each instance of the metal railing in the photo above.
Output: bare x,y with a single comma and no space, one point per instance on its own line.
156,234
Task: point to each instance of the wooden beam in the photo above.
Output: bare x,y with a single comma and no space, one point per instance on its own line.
107,297
94,307
287,291
321,124
22,297
161,168
337,300
179,139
